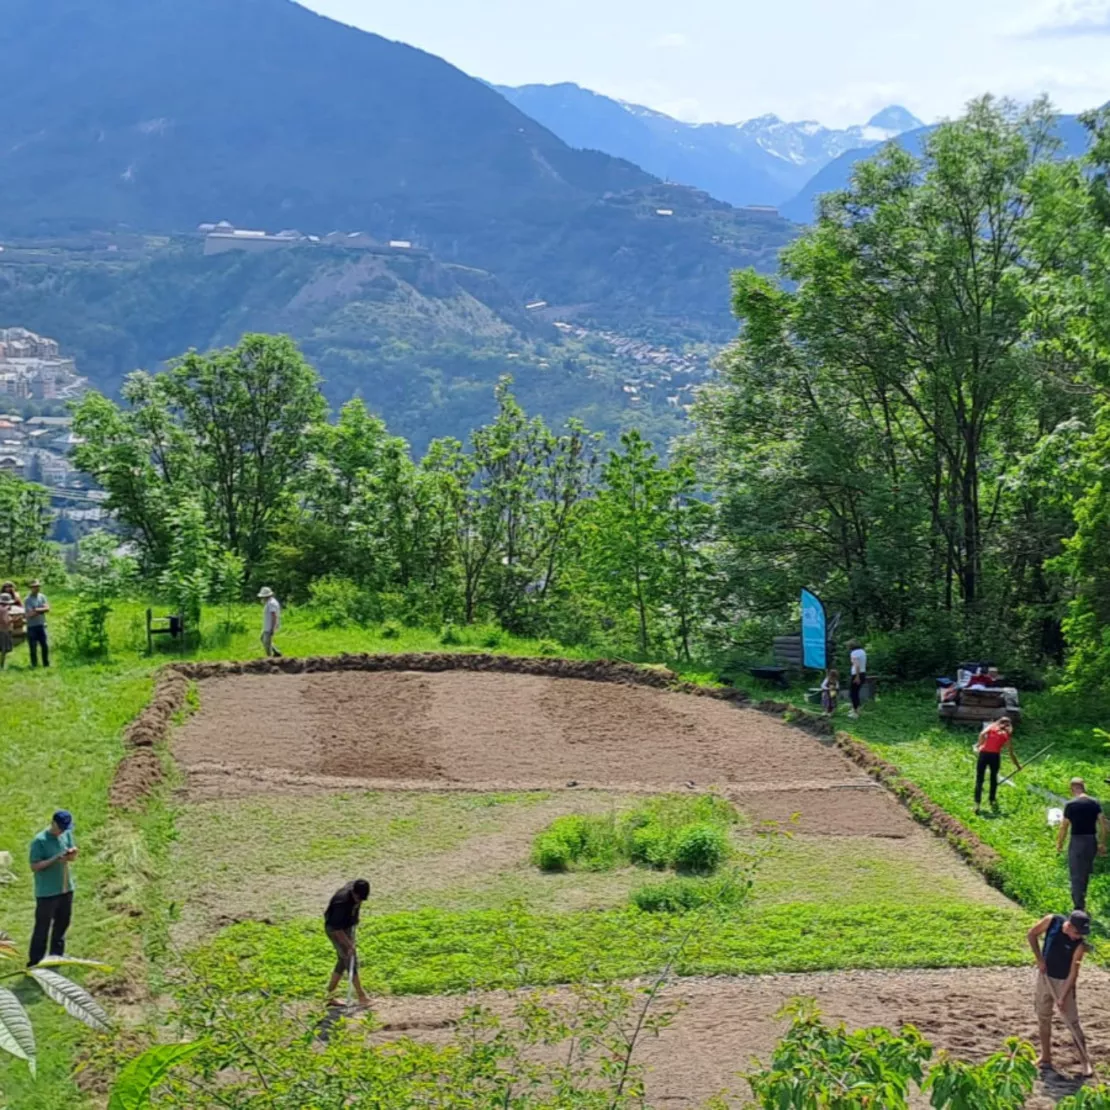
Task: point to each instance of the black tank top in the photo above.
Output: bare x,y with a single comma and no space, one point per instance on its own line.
1059,949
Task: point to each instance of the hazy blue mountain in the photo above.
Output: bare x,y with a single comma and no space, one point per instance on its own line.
761,161
160,114
836,175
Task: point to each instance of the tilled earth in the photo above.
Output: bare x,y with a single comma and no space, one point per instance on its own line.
267,733
407,731
723,1023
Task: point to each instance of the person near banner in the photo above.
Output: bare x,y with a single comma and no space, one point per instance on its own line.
858,660
1065,945
830,690
1085,821
995,736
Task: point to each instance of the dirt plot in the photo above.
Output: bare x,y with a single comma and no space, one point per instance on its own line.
725,1022
261,733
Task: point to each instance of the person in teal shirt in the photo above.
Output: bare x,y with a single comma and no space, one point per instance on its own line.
52,852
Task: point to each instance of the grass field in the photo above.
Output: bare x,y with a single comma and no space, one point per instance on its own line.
456,898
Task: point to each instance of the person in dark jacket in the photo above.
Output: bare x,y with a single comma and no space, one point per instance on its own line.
340,922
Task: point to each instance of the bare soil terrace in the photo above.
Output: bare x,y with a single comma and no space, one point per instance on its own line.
291,742
724,1023
457,730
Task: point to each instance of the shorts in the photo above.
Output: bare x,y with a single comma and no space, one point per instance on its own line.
7,643
1044,1001
343,961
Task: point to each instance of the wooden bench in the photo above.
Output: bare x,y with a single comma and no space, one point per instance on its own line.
172,625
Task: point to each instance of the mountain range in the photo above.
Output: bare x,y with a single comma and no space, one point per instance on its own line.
763,161
157,115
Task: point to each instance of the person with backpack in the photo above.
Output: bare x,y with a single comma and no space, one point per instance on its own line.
1064,946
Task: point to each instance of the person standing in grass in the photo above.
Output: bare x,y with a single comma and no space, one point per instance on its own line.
7,640
35,608
271,619
340,922
994,737
1084,819
1065,945
830,690
52,851
858,675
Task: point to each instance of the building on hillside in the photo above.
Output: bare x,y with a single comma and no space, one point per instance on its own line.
33,368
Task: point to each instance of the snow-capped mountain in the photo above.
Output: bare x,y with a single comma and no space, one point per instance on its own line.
760,161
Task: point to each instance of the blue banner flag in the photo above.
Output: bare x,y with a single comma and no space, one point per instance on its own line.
813,632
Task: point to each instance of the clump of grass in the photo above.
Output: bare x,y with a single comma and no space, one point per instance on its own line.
682,894
688,834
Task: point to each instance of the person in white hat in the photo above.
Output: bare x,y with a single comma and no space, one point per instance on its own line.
271,619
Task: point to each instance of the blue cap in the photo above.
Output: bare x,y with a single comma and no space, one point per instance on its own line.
63,819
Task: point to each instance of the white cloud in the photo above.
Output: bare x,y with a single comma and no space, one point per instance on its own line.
1067,19
673,40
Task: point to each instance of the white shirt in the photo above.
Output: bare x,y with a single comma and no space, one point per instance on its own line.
271,615
859,661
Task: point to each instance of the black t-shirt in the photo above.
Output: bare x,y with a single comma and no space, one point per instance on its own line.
343,909
1059,949
1083,815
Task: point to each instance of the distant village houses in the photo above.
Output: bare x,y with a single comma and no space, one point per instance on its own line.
33,369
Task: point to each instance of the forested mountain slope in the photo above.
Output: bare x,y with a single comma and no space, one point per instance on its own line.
160,114
422,341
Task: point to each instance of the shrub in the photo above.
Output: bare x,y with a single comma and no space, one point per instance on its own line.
651,845
338,602
390,631
551,852
699,848
649,835
681,894
591,843
451,636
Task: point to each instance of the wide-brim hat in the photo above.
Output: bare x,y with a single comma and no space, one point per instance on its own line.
265,592
34,584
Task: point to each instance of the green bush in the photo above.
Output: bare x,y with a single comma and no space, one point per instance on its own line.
699,848
551,852
390,631
649,835
681,894
339,603
650,845
590,843
451,636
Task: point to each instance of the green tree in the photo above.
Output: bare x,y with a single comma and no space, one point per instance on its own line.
25,522
625,535
141,456
102,575
247,409
868,431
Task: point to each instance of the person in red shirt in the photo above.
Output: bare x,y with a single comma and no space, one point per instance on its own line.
994,737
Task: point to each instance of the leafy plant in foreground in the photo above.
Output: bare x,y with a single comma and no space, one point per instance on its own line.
17,1035
821,1067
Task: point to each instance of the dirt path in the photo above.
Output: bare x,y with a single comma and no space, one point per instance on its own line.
725,1022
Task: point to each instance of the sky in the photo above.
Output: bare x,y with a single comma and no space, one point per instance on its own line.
836,61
